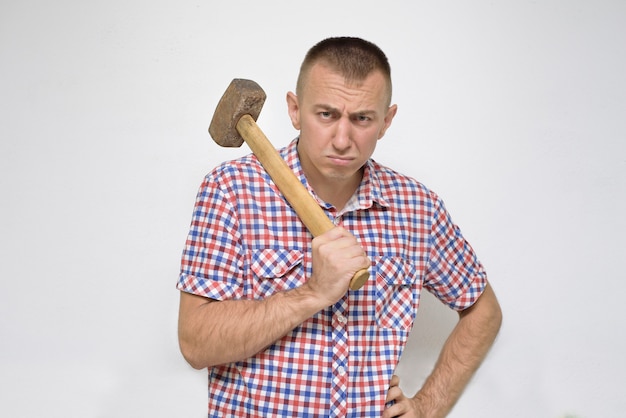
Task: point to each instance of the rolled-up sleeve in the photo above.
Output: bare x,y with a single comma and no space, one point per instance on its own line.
454,273
211,262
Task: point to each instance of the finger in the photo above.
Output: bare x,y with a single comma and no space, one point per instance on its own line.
394,410
344,246
393,394
336,233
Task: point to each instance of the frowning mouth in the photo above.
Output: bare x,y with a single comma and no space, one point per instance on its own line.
340,160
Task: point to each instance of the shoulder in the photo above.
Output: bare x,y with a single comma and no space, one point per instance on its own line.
395,186
240,170
231,179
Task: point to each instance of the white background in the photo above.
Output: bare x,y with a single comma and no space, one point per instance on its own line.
513,111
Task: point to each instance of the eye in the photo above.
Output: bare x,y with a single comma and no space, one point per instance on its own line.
362,118
326,115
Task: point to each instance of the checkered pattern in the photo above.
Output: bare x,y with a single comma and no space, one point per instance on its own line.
245,242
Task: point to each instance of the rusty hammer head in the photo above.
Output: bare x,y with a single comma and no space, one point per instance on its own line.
240,98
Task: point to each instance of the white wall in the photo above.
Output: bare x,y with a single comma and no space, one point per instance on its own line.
512,111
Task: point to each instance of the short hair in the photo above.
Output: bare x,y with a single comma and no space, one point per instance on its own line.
353,58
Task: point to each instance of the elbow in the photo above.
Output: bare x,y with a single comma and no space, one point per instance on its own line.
494,315
495,311
194,364
498,316
191,357
193,341
486,313
495,320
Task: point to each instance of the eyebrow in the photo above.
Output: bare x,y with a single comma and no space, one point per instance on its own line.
329,108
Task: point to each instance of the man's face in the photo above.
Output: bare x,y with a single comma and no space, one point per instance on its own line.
339,125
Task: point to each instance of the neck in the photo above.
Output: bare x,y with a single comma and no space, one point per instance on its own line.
337,192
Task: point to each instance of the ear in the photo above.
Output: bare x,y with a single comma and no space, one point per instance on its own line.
391,113
294,110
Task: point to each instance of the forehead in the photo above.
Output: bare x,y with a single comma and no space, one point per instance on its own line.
327,85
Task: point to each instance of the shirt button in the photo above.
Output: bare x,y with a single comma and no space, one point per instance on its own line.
341,370
337,221
342,319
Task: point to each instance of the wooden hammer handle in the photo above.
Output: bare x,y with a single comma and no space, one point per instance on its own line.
294,191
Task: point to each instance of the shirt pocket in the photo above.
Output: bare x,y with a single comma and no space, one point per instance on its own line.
398,286
276,270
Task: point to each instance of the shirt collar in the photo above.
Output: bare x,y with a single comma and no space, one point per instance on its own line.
368,193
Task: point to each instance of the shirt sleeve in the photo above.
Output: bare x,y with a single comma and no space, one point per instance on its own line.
455,275
211,263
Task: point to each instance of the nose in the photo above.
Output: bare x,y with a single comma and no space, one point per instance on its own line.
342,135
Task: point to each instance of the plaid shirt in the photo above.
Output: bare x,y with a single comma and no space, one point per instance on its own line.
246,242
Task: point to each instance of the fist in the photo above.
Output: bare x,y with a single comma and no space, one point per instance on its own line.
336,257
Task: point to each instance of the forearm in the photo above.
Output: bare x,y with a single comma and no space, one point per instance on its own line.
218,332
461,355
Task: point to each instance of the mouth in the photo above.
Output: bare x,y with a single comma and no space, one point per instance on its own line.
340,160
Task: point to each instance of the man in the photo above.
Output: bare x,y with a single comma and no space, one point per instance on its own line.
267,309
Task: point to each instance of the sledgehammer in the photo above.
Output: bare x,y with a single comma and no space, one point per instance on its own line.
234,122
